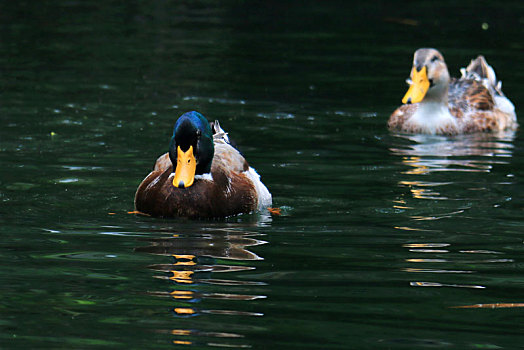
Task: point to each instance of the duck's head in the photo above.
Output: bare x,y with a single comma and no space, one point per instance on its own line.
191,149
429,78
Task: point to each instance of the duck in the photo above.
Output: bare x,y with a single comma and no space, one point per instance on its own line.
439,105
201,176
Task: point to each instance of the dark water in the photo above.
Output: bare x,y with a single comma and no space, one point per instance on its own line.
382,236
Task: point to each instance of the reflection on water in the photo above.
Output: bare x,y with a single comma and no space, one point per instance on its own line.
197,259
448,177
465,153
90,90
427,155
432,258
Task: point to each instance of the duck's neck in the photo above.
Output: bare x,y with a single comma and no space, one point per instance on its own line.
438,94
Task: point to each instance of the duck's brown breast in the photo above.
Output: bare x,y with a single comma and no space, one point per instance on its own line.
227,194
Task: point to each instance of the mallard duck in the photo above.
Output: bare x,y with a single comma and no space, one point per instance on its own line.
436,104
210,177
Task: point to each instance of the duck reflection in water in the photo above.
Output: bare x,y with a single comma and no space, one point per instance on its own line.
197,257
447,178
434,163
429,153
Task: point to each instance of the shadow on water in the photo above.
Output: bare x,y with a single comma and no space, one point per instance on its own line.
198,259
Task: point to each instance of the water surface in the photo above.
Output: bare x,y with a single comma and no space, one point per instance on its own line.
385,241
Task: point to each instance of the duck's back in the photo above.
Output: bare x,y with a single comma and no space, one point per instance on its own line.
477,108
468,94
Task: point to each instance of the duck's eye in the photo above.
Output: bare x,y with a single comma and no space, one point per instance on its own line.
198,133
434,58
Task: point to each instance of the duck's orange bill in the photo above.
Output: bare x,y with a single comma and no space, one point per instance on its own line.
185,168
419,86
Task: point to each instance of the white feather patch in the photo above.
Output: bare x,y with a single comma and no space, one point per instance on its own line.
206,177
432,116
264,197
505,105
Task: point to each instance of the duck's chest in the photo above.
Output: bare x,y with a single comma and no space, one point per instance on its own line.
432,118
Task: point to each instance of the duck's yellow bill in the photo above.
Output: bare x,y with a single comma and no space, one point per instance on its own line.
185,168
419,86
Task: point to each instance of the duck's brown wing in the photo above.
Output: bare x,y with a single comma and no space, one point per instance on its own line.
228,159
474,107
467,95
163,162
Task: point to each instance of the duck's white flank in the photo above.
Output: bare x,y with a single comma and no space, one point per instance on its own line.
505,105
264,197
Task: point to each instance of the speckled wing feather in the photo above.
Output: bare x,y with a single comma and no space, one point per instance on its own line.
466,95
474,107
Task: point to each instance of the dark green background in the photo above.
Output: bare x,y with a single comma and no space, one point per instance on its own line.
381,234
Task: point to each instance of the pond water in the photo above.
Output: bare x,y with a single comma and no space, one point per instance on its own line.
385,241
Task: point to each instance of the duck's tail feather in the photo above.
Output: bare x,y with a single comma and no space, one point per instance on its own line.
219,135
480,70
218,132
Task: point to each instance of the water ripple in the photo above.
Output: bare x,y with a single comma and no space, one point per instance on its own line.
197,258
215,100
436,284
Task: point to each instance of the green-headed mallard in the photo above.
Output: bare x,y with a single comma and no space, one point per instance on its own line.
210,177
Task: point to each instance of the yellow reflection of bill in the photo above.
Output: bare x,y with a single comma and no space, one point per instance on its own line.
182,294
184,311
180,332
182,276
182,342
184,256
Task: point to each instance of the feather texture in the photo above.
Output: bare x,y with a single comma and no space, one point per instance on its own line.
472,103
